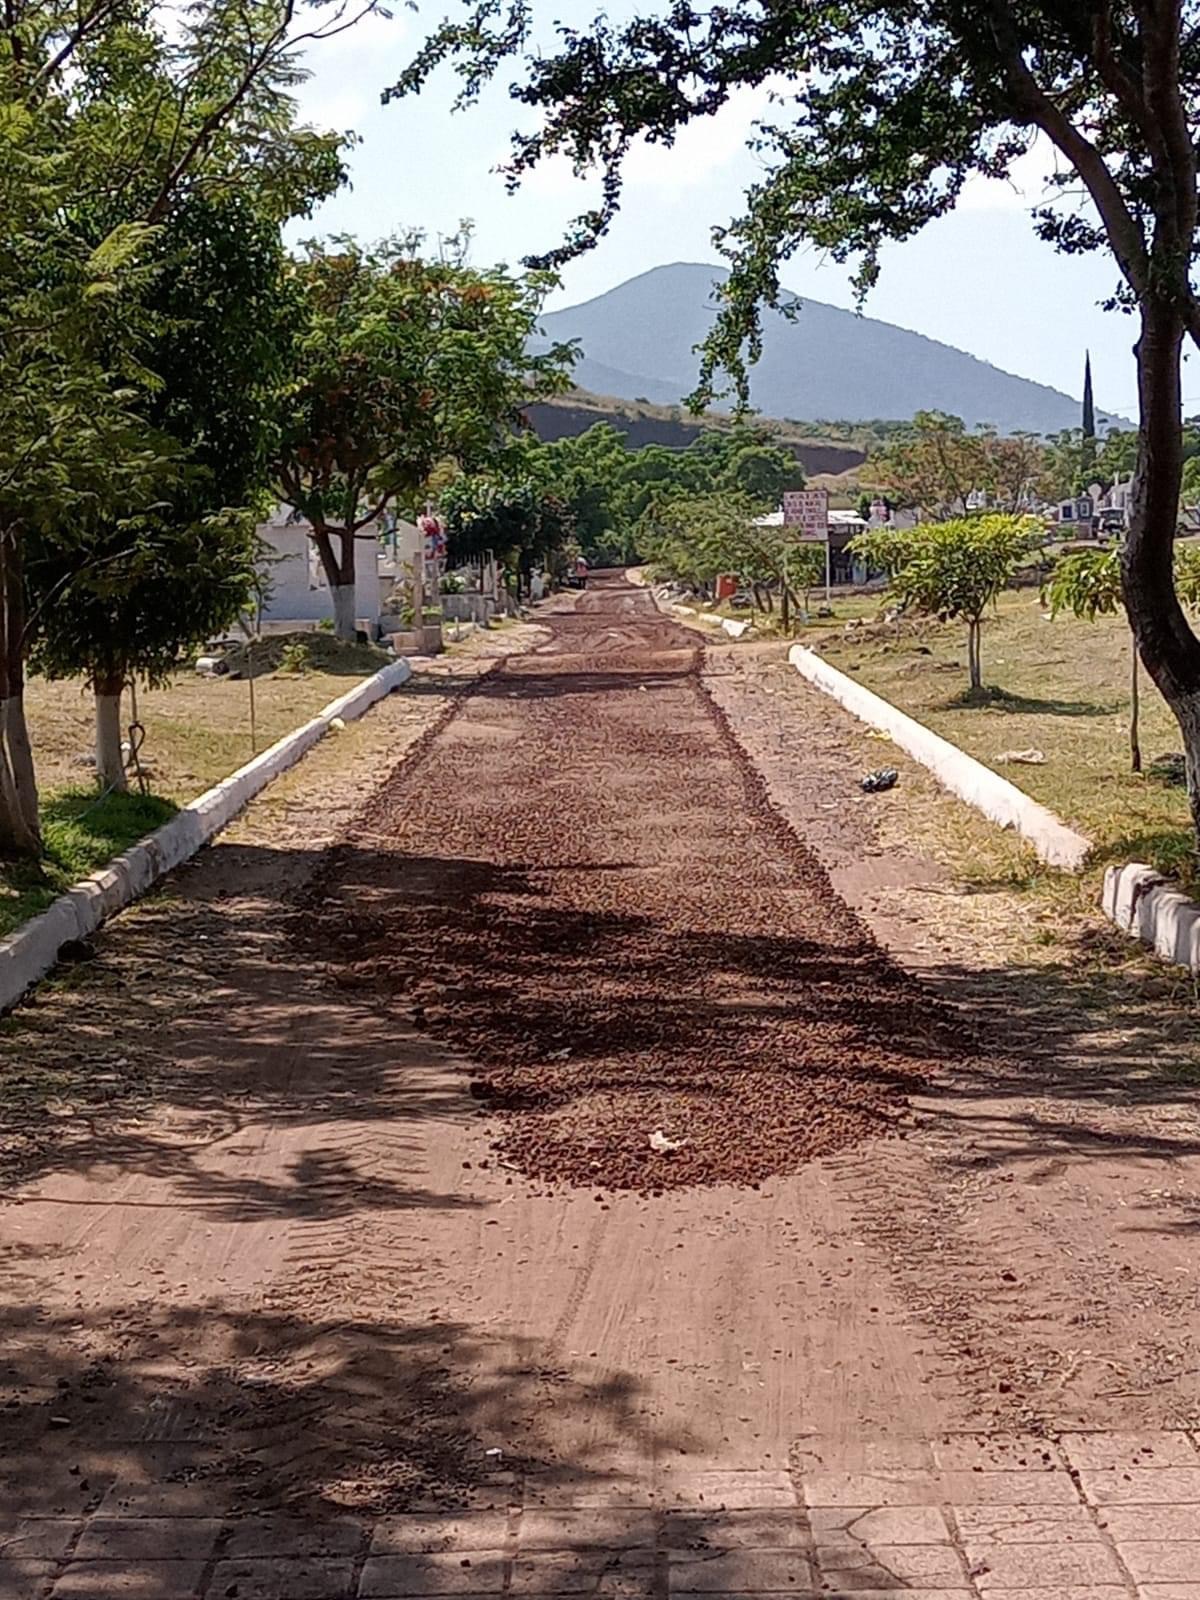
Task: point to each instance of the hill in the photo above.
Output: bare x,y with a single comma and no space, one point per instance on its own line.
643,423
639,341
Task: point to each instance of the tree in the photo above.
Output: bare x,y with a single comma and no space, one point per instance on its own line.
519,519
125,600
935,467
886,109
108,114
953,570
402,364
1088,583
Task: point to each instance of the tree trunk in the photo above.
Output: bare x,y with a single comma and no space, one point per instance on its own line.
1169,649
785,608
20,832
1135,744
343,611
974,665
338,567
110,763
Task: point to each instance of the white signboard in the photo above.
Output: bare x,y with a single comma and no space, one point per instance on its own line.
807,510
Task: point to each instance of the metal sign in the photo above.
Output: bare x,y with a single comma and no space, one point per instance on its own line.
807,510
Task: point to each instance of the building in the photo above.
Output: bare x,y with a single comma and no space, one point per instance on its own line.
297,592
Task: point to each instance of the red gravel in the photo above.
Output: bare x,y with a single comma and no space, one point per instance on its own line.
581,883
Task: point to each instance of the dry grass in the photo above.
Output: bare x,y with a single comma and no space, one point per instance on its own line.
1060,687
197,729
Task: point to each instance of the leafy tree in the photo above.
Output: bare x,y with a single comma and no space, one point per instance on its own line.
696,538
886,110
935,467
402,364
124,601
953,570
520,520
1088,583
108,115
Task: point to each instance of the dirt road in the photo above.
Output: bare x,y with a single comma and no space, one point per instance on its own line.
530,1178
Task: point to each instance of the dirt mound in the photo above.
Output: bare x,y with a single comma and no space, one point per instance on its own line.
304,650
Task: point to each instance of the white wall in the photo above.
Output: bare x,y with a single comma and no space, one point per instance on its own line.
297,588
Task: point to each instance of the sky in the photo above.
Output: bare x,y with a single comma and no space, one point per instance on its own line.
979,279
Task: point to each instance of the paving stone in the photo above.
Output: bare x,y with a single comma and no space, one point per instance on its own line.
1166,1486
25,1578
973,1452
747,1571
111,1580
1124,1523
400,1575
885,1524
36,1538
1036,1566
1029,1524
936,1488
148,1539
855,1567
597,1529
466,1531
617,1574
1068,1591
819,1454
284,1578
1162,1560
735,1530
736,1491
587,1492
1098,1452
1169,1591
292,1536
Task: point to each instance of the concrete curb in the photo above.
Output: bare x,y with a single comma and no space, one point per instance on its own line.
1146,906
30,952
979,786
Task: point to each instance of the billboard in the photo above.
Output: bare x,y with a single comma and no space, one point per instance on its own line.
807,511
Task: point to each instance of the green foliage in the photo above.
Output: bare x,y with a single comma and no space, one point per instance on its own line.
295,658
951,570
124,595
935,465
1187,575
1086,583
402,363
518,519
610,488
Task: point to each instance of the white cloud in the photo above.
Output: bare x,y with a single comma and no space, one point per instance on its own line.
702,149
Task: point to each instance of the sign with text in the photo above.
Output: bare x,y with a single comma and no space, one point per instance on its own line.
807,511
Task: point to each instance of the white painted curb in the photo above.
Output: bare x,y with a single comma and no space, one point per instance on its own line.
30,952
1145,905
978,785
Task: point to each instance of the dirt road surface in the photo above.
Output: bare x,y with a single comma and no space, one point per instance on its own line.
507,1165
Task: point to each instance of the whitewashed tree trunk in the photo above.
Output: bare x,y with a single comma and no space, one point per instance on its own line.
343,611
110,763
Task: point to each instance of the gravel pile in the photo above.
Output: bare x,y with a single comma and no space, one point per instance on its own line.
582,886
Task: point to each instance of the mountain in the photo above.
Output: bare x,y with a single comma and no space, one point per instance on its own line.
639,341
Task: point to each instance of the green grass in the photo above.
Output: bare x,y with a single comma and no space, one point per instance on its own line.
81,833
1060,686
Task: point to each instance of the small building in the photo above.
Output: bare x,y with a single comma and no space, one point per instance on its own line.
297,590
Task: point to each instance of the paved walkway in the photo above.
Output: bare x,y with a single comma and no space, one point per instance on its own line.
1086,1516
282,1319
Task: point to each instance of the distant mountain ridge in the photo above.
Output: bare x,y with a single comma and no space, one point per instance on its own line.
639,341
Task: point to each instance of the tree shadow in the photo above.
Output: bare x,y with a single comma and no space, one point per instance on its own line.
215,1411
1005,700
